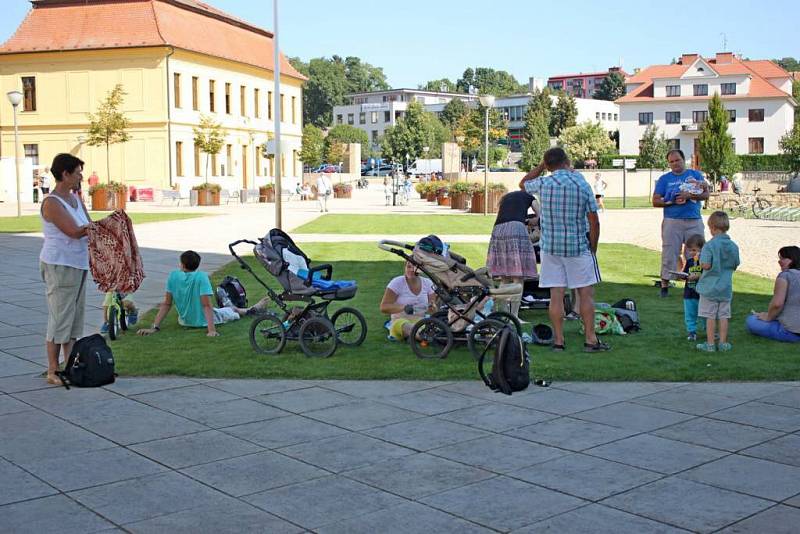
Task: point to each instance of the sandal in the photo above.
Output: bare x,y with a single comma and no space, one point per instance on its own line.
706,347
599,346
558,348
724,347
54,380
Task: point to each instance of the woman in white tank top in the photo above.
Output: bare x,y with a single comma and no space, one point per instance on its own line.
64,260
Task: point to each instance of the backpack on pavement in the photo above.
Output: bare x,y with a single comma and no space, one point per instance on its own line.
90,364
511,364
232,289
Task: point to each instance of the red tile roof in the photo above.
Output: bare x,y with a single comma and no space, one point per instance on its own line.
758,70
56,25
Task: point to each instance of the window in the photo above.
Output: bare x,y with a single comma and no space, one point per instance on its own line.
32,153
673,117
731,115
699,117
228,98
29,93
242,101
373,117
603,115
700,89
257,104
597,116
756,145
196,160
362,117
674,90
756,115
176,88
283,110
229,158
178,158
269,105
339,119
211,105
194,93
646,118
616,116
387,116
728,88
294,113
674,144
350,118
374,136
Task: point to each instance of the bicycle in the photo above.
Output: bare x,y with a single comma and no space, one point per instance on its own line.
749,202
116,316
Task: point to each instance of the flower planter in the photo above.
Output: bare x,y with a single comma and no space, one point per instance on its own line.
431,197
443,201
101,200
342,194
266,194
458,201
494,202
120,199
207,197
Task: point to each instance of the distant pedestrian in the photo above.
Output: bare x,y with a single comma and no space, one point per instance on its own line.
387,191
45,181
94,179
599,190
324,190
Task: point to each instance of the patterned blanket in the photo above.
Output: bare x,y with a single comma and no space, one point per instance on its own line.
114,255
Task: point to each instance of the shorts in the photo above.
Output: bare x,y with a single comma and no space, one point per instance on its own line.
224,315
572,272
674,233
714,309
66,301
396,327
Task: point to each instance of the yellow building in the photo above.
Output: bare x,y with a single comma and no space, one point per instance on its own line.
176,60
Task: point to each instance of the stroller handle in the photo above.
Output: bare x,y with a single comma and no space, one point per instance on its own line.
233,252
387,244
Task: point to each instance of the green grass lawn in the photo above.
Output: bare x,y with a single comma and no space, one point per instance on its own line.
394,223
659,352
33,223
615,203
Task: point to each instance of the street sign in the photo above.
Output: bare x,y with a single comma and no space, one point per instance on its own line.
630,163
616,162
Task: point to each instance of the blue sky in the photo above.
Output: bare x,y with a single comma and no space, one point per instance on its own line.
418,40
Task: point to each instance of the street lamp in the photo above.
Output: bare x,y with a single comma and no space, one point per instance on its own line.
277,92
487,101
15,97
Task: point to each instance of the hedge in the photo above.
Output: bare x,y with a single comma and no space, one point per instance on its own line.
605,161
764,162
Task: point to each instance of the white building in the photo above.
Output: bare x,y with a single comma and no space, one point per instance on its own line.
757,95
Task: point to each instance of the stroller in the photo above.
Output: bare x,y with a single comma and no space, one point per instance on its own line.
319,334
463,293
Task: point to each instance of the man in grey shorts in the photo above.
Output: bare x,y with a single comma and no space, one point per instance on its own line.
680,192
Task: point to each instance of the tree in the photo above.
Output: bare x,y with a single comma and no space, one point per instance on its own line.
653,149
796,95
442,85
335,151
489,82
790,147
312,148
108,125
611,88
564,114
536,134
788,63
586,141
453,112
209,138
414,131
471,130
717,156
345,134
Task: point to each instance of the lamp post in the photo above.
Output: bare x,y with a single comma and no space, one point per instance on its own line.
487,101
15,97
425,157
277,93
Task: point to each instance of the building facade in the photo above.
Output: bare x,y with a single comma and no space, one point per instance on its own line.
756,94
581,85
68,54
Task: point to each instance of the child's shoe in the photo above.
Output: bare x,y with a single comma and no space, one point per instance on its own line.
104,328
692,336
725,347
706,347
132,317
664,292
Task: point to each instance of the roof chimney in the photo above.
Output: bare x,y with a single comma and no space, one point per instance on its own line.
724,58
688,59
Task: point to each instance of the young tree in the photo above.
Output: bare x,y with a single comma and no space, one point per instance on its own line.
313,146
209,138
717,156
345,134
335,151
653,148
443,85
489,82
453,112
611,88
108,125
586,141
790,147
564,114
536,134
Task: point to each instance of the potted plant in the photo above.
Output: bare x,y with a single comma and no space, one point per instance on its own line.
108,196
476,193
443,193
342,190
458,195
266,193
207,194
430,191
496,192
421,188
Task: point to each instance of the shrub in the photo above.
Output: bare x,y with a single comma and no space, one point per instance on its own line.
342,188
111,187
764,162
214,188
460,187
497,187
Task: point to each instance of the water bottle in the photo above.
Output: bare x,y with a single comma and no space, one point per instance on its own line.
488,308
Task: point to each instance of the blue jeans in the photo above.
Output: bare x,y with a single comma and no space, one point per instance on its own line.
690,314
770,329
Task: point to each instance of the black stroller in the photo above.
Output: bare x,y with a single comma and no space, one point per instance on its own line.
308,322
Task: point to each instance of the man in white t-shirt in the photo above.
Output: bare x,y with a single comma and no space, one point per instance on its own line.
324,190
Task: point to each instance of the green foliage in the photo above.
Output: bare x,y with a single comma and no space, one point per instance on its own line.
717,155
788,63
343,134
472,128
764,162
605,161
586,141
209,138
611,88
108,125
415,130
653,149
313,146
33,223
453,112
536,133
564,114
489,82
442,85
790,146
796,95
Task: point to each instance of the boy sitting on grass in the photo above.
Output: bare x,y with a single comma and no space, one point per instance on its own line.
190,291
719,259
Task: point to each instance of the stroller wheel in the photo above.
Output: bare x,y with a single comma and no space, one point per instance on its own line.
431,338
267,335
482,337
318,338
507,318
350,326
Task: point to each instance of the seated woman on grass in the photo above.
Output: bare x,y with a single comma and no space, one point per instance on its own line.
406,300
781,321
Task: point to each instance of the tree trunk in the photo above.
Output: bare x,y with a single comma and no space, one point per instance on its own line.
208,156
108,165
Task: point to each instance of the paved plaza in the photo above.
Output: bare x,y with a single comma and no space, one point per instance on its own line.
192,455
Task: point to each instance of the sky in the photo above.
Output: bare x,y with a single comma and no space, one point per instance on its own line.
419,40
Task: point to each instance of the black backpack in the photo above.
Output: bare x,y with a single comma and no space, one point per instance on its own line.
511,364
627,314
235,291
90,364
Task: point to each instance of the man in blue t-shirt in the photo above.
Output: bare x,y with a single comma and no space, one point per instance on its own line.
680,192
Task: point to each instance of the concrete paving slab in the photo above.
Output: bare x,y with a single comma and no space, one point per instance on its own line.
18,485
7,330
27,340
425,434
754,476
598,519
409,517
717,434
246,475
195,449
27,382
499,454
370,389
571,434
346,452
740,390
305,400
254,388
63,402
632,416
784,450
321,501
497,417
777,520
522,503
133,386
762,415
190,395
13,366
656,454
690,505
9,404
431,401
790,398
228,413
559,402
362,415
687,401
35,354
57,513
284,431
617,391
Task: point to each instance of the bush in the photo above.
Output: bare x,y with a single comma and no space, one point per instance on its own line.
497,187
268,187
441,187
460,187
764,162
342,188
111,187
214,188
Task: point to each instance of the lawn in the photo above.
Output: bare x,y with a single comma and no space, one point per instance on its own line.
33,223
615,203
659,352
390,224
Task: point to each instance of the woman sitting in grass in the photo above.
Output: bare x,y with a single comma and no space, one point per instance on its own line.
781,321
406,300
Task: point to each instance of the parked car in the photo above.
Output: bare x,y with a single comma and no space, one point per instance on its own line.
381,170
502,169
328,168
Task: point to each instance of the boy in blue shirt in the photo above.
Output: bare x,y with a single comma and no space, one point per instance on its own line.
693,270
719,259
